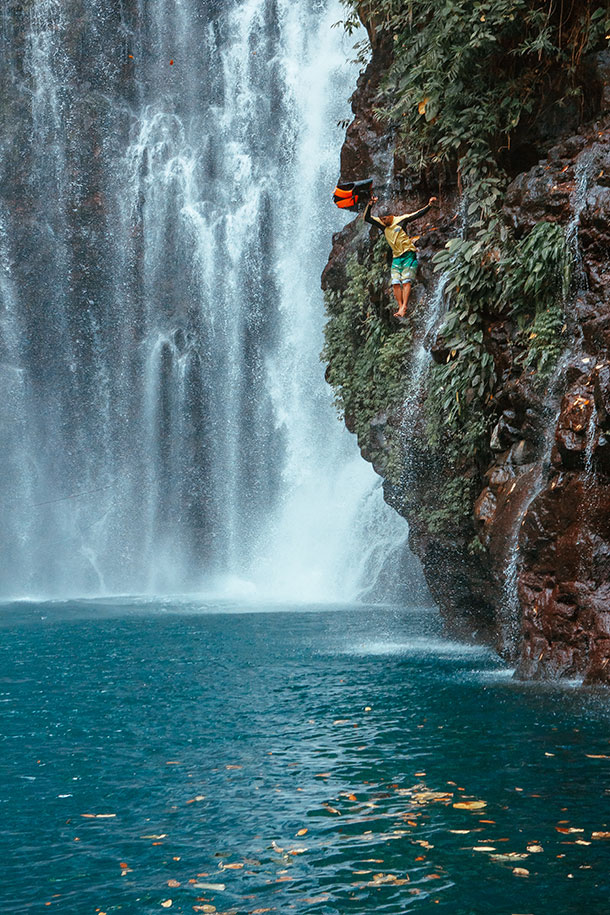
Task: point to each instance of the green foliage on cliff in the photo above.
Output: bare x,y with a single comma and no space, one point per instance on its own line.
366,357
465,76
528,279
535,277
468,81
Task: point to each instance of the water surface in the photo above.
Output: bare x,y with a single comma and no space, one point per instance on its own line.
289,760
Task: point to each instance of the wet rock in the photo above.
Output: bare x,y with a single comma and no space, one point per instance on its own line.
522,452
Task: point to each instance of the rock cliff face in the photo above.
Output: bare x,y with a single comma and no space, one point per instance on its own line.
527,565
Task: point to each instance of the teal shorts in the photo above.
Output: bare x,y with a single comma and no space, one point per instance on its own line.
404,269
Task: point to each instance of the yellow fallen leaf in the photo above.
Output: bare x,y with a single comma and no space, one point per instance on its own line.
173,882
600,835
200,797
535,849
421,108
167,904
332,809
301,832
484,848
162,836
422,797
521,872
98,816
470,805
592,756
230,867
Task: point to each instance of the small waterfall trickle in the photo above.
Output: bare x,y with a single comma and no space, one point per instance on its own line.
433,311
165,221
510,605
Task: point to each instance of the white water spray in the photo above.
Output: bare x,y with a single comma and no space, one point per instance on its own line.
171,429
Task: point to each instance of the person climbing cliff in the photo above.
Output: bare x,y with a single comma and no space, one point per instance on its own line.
404,260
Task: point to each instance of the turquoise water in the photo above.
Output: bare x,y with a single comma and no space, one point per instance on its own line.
150,745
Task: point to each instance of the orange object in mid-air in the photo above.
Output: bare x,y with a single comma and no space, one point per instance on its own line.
348,194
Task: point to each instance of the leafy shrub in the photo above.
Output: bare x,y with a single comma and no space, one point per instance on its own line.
366,357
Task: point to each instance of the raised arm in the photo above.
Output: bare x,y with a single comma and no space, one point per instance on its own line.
409,217
372,219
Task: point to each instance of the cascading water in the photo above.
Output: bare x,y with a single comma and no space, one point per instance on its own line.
168,424
511,609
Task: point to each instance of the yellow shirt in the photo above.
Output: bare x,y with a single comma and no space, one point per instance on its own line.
395,234
398,239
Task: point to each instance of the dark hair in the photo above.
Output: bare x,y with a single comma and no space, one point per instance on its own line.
385,210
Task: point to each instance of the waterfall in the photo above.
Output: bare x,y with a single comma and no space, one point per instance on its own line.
164,220
511,605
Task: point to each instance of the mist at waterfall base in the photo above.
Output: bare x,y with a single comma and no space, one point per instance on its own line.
174,753
165,217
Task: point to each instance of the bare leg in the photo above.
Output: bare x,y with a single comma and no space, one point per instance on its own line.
397,290
406,292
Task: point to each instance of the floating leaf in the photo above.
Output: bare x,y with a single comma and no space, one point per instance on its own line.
510,856
332,809
167,904
301,832
521,872
470,805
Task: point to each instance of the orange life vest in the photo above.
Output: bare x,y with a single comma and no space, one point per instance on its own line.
348,194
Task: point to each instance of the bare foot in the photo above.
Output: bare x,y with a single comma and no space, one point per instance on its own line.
400,313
